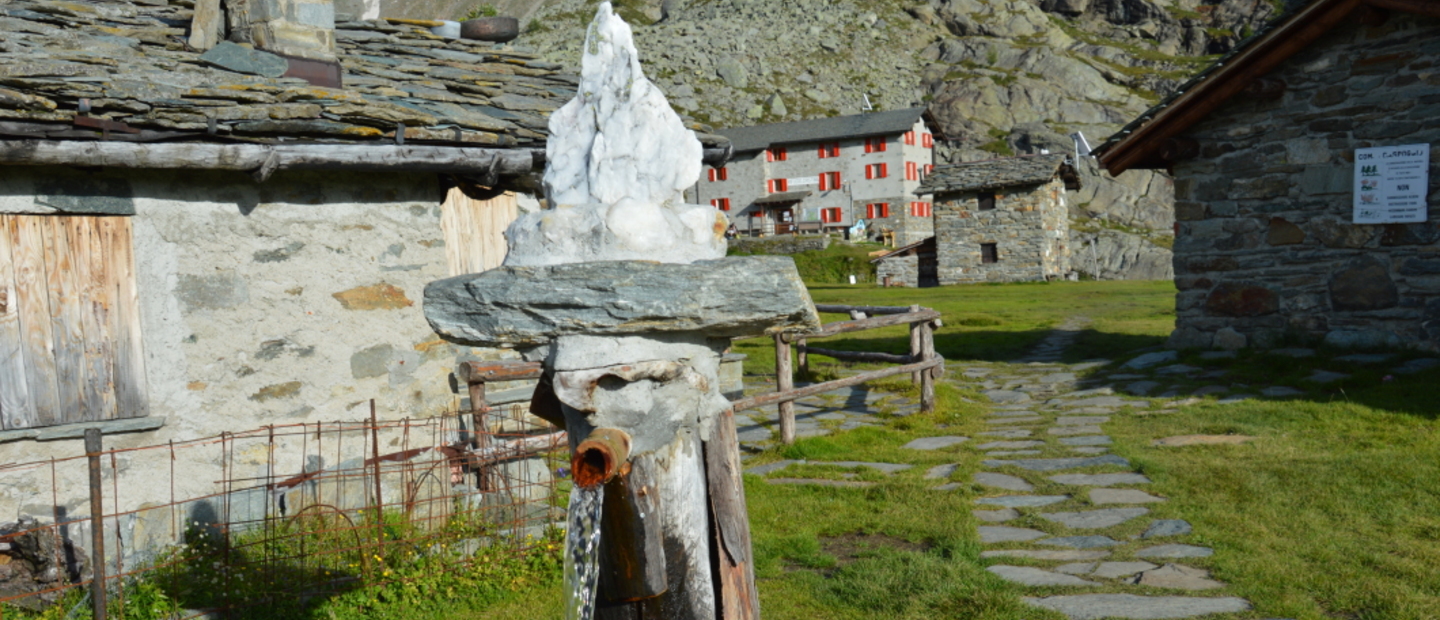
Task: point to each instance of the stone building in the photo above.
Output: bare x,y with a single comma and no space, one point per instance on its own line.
199,237
1275,241
827,174
999,220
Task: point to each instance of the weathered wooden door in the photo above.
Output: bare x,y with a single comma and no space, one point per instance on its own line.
70,342
475,230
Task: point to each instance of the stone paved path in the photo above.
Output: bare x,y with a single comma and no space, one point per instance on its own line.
1079,515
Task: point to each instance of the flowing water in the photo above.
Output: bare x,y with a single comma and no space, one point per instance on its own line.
582,548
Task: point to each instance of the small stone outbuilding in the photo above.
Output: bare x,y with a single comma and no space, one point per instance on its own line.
999,220
1274,239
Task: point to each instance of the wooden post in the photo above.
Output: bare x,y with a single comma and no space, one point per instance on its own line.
632,553
97,524
734,572
803,356
784,382
927,377
375,456
915,345
479,430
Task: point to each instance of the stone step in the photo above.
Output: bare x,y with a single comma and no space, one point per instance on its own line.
1060,463
1096,606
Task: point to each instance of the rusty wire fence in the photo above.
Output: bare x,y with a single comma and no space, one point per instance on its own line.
276,517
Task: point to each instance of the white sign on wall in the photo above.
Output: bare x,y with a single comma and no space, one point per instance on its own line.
1391,184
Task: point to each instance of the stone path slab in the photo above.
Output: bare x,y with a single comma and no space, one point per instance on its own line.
1030,576
940,471
1013,433
1002,481
1095,519
1079,420
1131,606
1002,533
760,470
1019,413
1325,376
1089,449
1179,577
1151,359
1116,570
1100,480
1060,463
857,484
1122,496
1013,453
1010,445
1075,430
1086,440
1022,501
996,516
1175,551
1006,396
1081,542
935,443
1167,527
1047,554
1280,391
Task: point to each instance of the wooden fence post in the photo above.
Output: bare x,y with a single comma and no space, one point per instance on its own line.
803,354
784,382
915,346
97,524
927,377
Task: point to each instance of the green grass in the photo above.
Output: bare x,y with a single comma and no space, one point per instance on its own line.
1331,512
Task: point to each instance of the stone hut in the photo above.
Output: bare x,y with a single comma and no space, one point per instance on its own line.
198,236
909,265
1275,241
999,220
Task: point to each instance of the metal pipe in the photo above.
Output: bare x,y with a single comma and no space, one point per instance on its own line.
599,457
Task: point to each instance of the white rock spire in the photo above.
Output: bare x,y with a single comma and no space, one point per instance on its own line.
618,162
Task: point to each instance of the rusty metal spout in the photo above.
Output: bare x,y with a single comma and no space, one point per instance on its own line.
600,456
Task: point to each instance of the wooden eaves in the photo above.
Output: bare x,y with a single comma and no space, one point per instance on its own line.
1145,146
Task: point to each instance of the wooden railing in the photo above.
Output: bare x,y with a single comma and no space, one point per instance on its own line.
923,364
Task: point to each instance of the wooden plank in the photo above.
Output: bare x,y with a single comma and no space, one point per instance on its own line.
499,212
450,226
915,345
927,377
508,370
249,157
27,238
632,550
734,569
844,309
820,388
98,316
66,334
131,391
858,356
16,410
785,381
842,327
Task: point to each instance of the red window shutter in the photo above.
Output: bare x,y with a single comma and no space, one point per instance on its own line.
880,144
725,205
884,170
927,140
929,168
724,174
869,172
884,209
834,149
835,180
710,174
781,153
823,186
784,184
769,155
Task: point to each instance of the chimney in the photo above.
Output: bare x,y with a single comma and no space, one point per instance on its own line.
296,29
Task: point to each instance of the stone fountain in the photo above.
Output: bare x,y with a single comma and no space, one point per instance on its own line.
627,295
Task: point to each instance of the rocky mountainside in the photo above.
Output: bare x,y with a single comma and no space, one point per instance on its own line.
1003,77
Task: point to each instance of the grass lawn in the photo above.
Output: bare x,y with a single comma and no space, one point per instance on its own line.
1333,511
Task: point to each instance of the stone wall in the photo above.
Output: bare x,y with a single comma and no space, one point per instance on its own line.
1265,246
901,270
293,301
1029,226
784,244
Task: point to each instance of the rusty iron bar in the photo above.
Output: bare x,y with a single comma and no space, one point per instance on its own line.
93,448
375,454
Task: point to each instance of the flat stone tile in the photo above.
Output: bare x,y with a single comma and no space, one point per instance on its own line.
1018,420
1095,519
1142,388
1167,527
1012,414
935,443
760,470
1175,551
1019,501
1063,555
1280,391
1058,377
823,483
1116,570
1100,480
1011,445
1081,542
1095,401
1179,577
1151,359
996,516
1211,390
1081,420
940,471
1013,433
1076,568
1075,430
1096,606
1176,369
1366,358
1003,481
1326,376
888,468
1002,533
1122,496
1086,440
1012,453
1031,576
1006,396
1060,463
1087,365
1089,449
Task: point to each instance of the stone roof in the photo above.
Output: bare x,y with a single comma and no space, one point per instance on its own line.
993,174
130,64
759,137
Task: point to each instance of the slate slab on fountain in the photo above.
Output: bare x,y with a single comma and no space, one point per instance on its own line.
615,298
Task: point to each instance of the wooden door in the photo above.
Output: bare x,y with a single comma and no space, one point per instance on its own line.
475,230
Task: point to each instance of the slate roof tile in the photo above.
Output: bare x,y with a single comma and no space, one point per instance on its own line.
992,174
